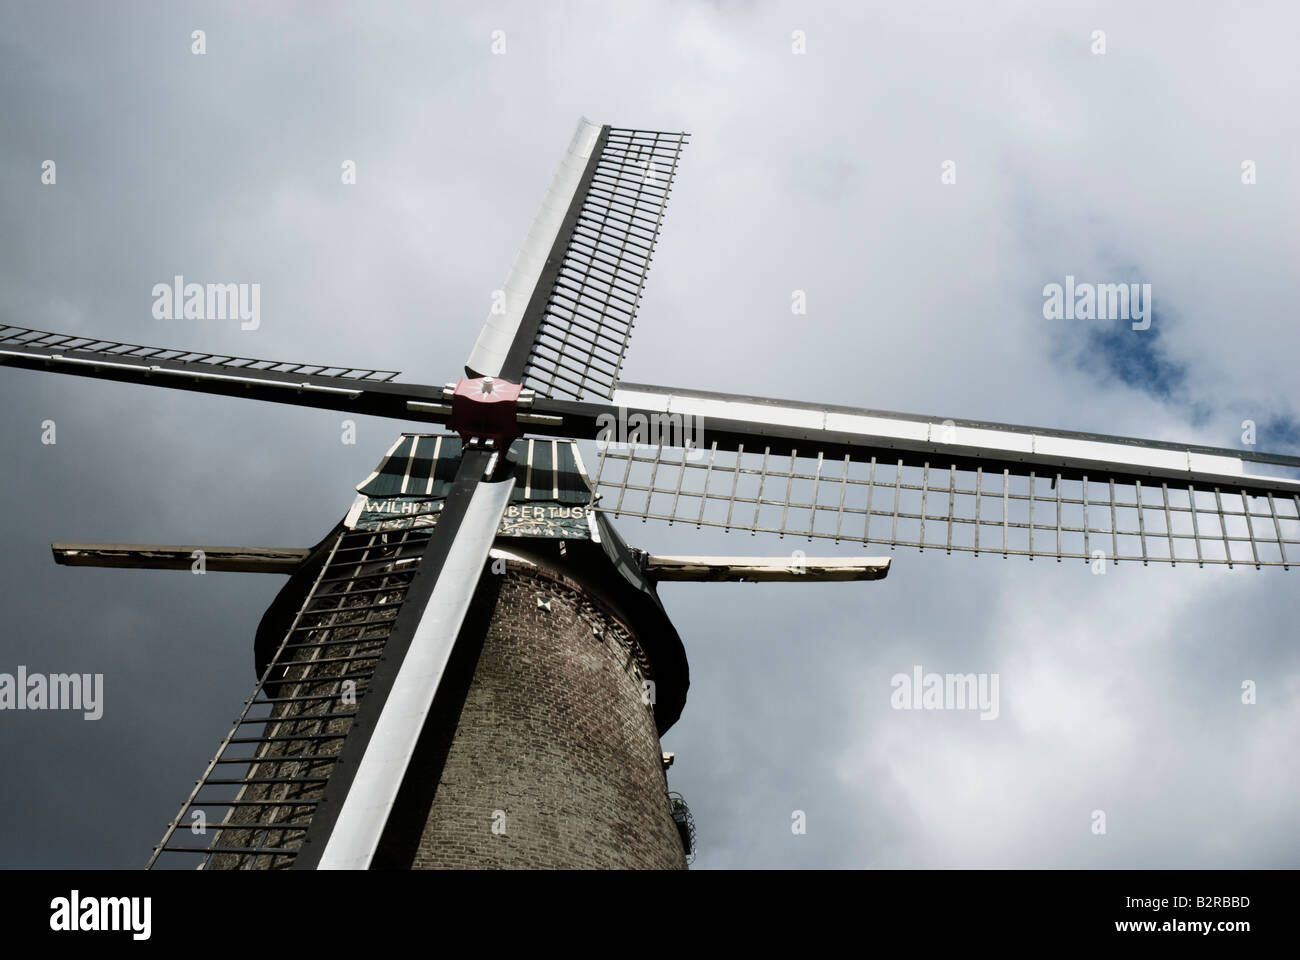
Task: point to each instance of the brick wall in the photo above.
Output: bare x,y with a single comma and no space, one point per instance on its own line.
554,734
556,749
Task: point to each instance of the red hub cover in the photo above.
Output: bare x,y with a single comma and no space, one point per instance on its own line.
486,408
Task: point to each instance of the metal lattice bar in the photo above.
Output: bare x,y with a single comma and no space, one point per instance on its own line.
25,337
1033,485
952,508
871,484
323,743
304,688
592,304
925,493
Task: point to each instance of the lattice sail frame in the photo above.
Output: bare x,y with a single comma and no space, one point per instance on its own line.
268,775
938,506
589,314
55,346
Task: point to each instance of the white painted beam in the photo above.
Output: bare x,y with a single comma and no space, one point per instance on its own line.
365,810
791,569
498,333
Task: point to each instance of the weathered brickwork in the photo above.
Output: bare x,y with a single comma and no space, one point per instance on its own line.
556,747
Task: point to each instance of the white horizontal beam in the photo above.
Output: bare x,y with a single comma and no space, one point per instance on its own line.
790,569
1046,450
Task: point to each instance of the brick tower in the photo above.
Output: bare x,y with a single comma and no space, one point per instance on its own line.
556,749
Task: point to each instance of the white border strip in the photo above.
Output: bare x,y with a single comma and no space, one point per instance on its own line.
499,330
365,811
1013,445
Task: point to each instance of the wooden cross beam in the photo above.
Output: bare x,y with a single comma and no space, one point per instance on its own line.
791,569
285,560
152,556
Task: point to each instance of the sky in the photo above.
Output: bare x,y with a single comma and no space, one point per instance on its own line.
820,172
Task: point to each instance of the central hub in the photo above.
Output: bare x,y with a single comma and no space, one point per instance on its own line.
486,408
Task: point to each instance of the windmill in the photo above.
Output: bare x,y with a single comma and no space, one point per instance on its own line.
399,636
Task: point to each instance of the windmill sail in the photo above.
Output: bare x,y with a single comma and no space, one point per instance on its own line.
350,389
904,480
433,615
259,794
374,631
573,292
